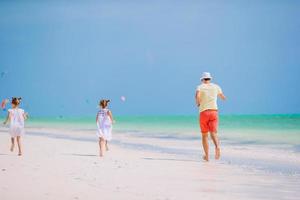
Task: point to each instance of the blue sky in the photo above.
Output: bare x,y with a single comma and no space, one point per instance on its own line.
63,56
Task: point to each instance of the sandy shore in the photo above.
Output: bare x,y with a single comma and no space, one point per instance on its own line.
55,167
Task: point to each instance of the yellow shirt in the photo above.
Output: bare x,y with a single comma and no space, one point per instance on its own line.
208,96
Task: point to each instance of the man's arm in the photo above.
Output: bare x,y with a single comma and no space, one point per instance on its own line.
197,98
220,93
222,96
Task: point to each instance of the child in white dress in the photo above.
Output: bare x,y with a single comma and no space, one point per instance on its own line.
16,116
104,120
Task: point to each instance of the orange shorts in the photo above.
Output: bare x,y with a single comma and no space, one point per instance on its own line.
208,121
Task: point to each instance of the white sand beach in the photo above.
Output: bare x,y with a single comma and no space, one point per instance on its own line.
154,76
58,167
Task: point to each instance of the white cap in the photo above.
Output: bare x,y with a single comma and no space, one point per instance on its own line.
205,75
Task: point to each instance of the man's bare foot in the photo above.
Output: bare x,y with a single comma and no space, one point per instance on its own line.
20,154
205,158
12,147
218,154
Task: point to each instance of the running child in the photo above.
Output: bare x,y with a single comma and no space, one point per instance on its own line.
104,120
16,117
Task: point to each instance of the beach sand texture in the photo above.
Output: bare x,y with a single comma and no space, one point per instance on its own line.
64,164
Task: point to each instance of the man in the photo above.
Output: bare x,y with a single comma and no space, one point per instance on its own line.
206,99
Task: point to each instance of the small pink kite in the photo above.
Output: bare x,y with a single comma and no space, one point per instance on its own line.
3,104
123,98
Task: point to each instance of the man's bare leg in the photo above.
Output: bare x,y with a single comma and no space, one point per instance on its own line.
205,145
19,145
215,139
12,146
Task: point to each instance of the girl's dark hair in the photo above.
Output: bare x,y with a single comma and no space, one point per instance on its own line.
16,100
104,102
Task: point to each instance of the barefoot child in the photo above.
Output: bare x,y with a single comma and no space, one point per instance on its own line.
104,122
16,116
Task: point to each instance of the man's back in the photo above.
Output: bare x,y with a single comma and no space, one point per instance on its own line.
208,94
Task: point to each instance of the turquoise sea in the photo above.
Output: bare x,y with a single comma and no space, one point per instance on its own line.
274,138
268,129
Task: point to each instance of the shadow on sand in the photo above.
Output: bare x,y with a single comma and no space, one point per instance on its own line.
171,159
85,155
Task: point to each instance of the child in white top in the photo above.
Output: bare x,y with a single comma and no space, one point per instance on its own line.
17,118
104,120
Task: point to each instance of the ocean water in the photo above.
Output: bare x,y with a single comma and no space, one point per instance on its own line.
268,142
267,129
